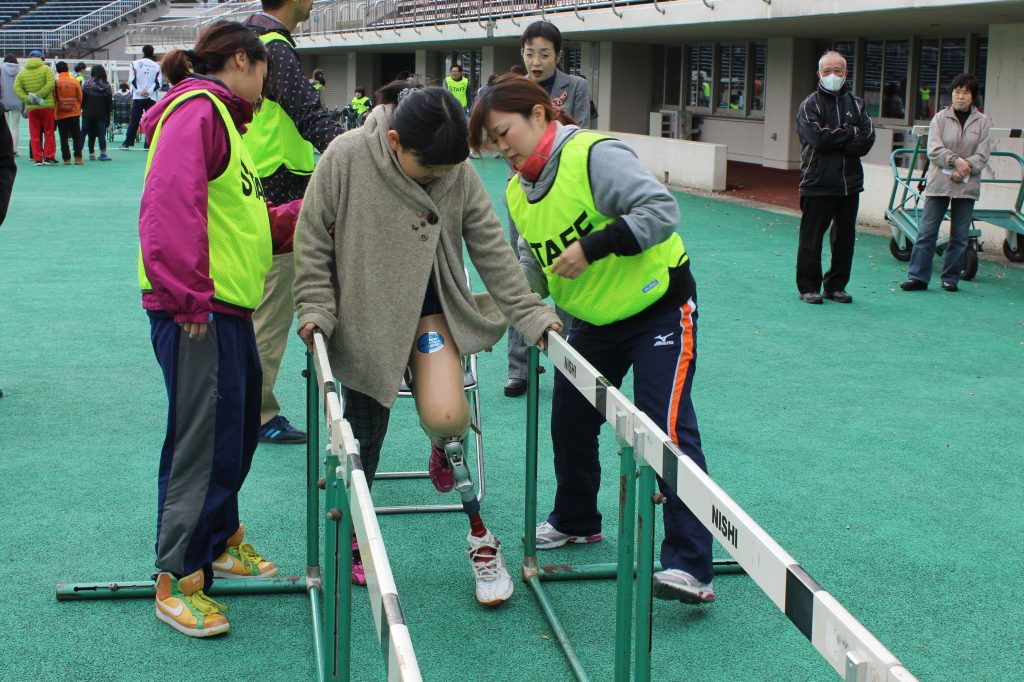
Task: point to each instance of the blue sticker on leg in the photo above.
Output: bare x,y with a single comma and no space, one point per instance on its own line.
429,342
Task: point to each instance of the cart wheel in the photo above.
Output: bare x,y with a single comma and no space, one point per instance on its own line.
970,264
1015,256
897,252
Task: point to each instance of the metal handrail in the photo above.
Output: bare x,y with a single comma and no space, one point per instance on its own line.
341,17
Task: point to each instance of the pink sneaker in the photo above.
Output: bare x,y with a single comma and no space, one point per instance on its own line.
358,576
440,471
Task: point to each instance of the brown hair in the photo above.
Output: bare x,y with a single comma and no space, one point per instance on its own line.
217,44
512,94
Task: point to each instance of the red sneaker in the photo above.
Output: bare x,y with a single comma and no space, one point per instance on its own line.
440,470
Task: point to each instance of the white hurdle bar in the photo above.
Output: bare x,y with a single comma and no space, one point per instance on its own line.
392,632
847,645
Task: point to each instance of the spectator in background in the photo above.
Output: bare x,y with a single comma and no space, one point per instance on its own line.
361,104
34,86
892,103
458,85
541,46
97,106
67,114
288,126
958,149
81,71
123,93
318,82
145,82
519,70
836,133
12,105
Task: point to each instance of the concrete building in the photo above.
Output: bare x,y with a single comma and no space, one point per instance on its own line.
729,73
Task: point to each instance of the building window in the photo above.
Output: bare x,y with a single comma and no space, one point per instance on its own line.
732,77
939,62
927,79
952,62
895,74
700,68
572,60
673,75
760,60
885,72
980,70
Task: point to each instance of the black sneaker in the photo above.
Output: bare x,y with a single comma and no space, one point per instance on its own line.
279,430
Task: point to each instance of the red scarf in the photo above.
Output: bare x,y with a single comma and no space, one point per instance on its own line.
539,156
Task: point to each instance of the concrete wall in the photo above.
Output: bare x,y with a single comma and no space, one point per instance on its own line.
497,59
622,65
744,137
695,165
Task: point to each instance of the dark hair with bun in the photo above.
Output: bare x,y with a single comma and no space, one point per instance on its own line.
429,121
216,45
513,94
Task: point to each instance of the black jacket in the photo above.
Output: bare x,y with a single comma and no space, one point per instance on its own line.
97,100
288,85
836,132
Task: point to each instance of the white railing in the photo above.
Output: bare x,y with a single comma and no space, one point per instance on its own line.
344,17
53,40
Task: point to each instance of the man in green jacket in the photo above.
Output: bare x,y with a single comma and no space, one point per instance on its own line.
34,85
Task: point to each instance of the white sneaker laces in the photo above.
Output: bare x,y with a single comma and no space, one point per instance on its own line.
488,569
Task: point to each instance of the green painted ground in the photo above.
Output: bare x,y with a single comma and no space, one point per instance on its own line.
879,443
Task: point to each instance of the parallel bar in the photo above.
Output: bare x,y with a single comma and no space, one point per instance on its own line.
312,465
558,631
608,570
626,559
145,589
318,629
644,573
836,634
532,405
350,493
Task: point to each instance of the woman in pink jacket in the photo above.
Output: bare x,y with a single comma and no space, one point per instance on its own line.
206,236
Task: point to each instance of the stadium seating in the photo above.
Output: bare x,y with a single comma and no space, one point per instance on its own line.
35,16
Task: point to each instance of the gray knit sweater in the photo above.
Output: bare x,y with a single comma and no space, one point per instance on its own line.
364,286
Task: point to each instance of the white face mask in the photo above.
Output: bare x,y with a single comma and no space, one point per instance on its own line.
832,82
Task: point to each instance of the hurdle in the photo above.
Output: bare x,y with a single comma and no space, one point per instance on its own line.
646,450
349,508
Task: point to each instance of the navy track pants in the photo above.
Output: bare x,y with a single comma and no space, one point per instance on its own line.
662,350
213,420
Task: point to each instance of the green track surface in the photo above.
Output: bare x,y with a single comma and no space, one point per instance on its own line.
879,443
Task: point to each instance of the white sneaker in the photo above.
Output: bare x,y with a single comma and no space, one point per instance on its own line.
493,583
673,583
549,537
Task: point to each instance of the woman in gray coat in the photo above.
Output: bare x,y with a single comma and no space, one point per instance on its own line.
958,149
379,270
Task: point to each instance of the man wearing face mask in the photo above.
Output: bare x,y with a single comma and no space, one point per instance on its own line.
836,133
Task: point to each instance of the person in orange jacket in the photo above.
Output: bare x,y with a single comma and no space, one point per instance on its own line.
68,110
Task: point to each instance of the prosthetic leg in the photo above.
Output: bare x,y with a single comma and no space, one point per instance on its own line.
455,452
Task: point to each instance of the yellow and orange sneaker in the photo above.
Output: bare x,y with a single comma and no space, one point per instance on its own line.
241,560
184,606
